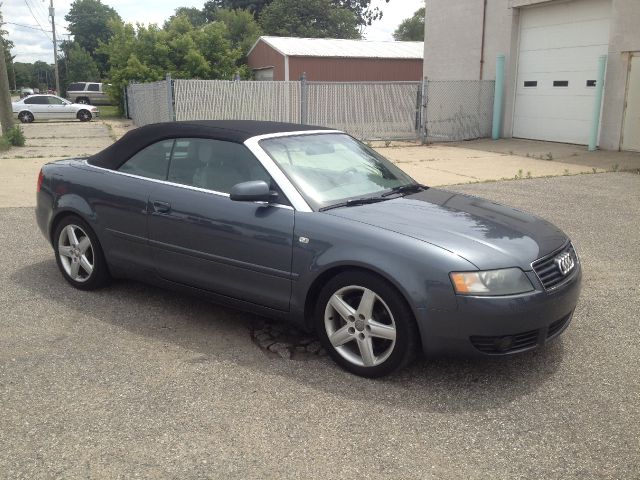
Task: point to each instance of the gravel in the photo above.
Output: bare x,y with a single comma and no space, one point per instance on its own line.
137,382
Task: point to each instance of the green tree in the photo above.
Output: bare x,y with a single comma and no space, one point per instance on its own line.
362,9
146,54
90,22
195,16
242,29
311,18
81,66
6,46
411,29
24,74
253,6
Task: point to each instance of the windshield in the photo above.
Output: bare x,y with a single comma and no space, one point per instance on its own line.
330,168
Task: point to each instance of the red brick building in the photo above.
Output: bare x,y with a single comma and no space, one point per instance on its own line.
334,60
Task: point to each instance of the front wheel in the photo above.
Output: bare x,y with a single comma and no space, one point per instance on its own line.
79,255
84,115
365,324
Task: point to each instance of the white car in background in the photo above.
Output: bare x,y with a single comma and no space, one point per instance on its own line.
51,107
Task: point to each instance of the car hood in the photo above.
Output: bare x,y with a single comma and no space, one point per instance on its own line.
485,233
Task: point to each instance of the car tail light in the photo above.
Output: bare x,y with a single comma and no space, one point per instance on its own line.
40,178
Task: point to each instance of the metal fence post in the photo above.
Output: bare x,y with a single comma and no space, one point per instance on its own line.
423,111
170,109
304,105
497,98
126,100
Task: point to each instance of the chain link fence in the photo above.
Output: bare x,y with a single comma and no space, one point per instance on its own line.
458,110
434,111
225,100
366,110
149,102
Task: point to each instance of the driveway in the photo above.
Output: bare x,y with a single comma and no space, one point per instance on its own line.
46,142
133,381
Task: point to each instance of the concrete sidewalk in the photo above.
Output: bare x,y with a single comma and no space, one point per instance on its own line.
556,152
447,165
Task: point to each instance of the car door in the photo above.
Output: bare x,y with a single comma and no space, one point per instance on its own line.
39,106
200,237
121,205
58,109
93,90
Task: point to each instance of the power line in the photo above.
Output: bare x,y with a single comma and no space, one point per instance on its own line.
27,26
36,19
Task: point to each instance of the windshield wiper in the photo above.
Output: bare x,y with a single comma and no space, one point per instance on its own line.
411,188
354,202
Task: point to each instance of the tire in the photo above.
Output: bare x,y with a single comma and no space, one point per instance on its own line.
26,117
367,341
84,115
82,100
79,255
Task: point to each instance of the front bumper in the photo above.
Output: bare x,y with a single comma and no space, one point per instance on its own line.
500,325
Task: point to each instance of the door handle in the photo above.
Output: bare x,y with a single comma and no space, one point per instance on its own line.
161,207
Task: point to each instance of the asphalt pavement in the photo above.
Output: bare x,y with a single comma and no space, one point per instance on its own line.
137,382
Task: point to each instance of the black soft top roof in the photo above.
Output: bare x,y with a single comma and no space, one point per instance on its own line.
236,131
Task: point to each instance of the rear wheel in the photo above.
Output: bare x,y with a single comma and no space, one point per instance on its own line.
26,117
82,100
366,325
84,115
79,255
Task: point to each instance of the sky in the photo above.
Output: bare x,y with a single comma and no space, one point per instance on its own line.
32,43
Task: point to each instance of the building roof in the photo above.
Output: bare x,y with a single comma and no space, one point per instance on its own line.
339,48
236,131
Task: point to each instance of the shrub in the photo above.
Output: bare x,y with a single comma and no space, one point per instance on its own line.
15,136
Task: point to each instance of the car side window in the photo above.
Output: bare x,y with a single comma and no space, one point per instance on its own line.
37,100
75,86
93,87
55,101
151,161
214,165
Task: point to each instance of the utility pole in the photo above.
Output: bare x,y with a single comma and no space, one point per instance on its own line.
55,45
6,115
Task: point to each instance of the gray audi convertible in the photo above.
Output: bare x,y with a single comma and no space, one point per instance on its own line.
309,225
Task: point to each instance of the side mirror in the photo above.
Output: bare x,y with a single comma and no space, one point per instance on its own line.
253,191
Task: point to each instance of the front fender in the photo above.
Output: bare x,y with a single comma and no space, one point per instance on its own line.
419,270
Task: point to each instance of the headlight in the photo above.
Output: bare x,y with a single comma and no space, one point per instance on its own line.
508,281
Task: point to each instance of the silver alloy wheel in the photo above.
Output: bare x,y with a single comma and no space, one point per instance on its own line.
360,326
76,253
26,117
84,116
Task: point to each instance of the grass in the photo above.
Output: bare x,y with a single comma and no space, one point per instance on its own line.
109,111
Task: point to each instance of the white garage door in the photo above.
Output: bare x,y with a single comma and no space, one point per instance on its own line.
557,69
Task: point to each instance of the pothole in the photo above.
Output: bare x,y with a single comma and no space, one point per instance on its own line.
286,341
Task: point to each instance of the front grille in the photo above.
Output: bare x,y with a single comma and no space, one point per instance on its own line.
557,326
506,344
548,271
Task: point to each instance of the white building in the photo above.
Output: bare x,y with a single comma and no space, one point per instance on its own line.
551,49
